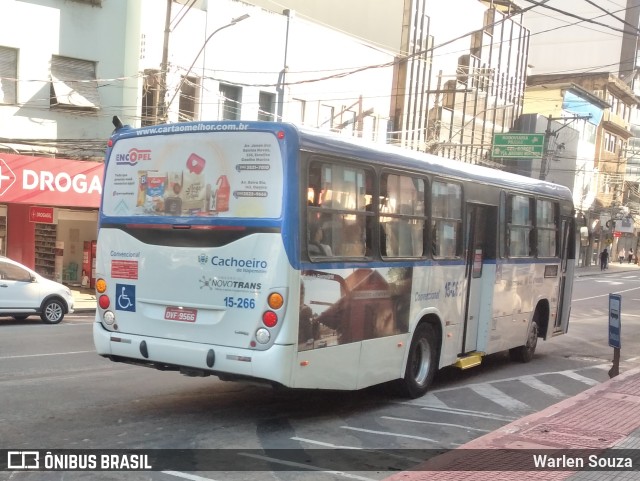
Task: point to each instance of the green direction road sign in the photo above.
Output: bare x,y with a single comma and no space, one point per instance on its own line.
518,146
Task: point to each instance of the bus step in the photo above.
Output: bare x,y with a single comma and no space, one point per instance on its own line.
471,360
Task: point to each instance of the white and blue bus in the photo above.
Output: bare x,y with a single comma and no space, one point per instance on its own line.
266,251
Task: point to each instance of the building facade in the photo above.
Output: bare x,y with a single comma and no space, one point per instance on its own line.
58,92
600,107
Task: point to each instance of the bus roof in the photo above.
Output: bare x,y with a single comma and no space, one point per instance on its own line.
327,142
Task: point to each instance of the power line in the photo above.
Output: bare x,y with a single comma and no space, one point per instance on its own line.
573,15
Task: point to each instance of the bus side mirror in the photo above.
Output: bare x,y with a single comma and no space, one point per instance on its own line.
584,236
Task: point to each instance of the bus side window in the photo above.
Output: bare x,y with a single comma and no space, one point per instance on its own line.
446,223
353,242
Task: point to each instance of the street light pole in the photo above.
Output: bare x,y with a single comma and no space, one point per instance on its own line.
184,77
161,110
282,80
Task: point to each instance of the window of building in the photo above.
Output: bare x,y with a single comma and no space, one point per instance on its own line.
402,216
73,84
296,111
610,141
446,219
150,97
337,213
189,93
348,124
369,123
325,117
519,226
8,76
230,102
266,106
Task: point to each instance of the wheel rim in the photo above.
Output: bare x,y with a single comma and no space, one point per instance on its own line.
421,361
53,312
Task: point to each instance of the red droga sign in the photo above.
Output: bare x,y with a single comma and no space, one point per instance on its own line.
56,182
44,215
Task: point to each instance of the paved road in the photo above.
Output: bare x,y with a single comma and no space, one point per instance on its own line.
56,393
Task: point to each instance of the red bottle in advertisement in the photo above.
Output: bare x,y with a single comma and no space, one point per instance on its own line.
223,192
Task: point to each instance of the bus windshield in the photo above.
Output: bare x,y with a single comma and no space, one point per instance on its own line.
222,174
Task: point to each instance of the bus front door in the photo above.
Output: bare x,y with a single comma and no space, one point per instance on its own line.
481,238
566,269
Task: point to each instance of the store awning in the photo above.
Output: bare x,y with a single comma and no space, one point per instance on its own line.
46,181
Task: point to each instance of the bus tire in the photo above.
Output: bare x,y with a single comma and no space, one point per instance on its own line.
421,362
525,353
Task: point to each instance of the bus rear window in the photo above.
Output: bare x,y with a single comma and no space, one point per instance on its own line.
209,174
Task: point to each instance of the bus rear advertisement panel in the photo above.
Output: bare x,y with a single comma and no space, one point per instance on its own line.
226,174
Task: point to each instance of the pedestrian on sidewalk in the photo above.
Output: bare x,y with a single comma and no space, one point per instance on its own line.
630,256
621,255
604,258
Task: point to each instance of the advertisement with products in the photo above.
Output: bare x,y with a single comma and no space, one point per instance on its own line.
223,174
344,306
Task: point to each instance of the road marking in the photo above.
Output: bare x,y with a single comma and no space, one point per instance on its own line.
383,433
536,383
494,394
192,477
449,425
305,467
320,443
579,377
604,295
337,446
428,400
465,412
50,354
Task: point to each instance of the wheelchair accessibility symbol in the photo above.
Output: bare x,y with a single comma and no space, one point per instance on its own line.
125,297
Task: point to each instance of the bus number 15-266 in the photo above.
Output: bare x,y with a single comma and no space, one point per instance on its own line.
240,302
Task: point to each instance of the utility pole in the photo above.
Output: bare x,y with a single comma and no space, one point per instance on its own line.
161,108
547,156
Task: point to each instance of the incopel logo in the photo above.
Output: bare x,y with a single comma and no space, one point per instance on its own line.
7,177
133,156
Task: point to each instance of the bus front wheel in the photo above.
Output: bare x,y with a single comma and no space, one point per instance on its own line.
421,363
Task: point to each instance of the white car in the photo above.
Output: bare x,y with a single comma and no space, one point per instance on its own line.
24,292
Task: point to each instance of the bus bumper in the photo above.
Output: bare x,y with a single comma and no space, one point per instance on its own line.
273,364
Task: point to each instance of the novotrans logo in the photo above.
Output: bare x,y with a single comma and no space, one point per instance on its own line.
133,157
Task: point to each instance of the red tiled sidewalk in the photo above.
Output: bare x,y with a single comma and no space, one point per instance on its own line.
598,418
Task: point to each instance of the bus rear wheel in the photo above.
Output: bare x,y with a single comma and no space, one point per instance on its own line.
421,363
525,353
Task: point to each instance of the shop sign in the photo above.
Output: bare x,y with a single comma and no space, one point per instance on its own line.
56,182
42,215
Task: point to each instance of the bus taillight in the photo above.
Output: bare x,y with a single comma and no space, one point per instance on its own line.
101,286
275,300
104,301
269,318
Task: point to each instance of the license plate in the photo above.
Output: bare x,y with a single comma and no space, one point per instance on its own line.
180,314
